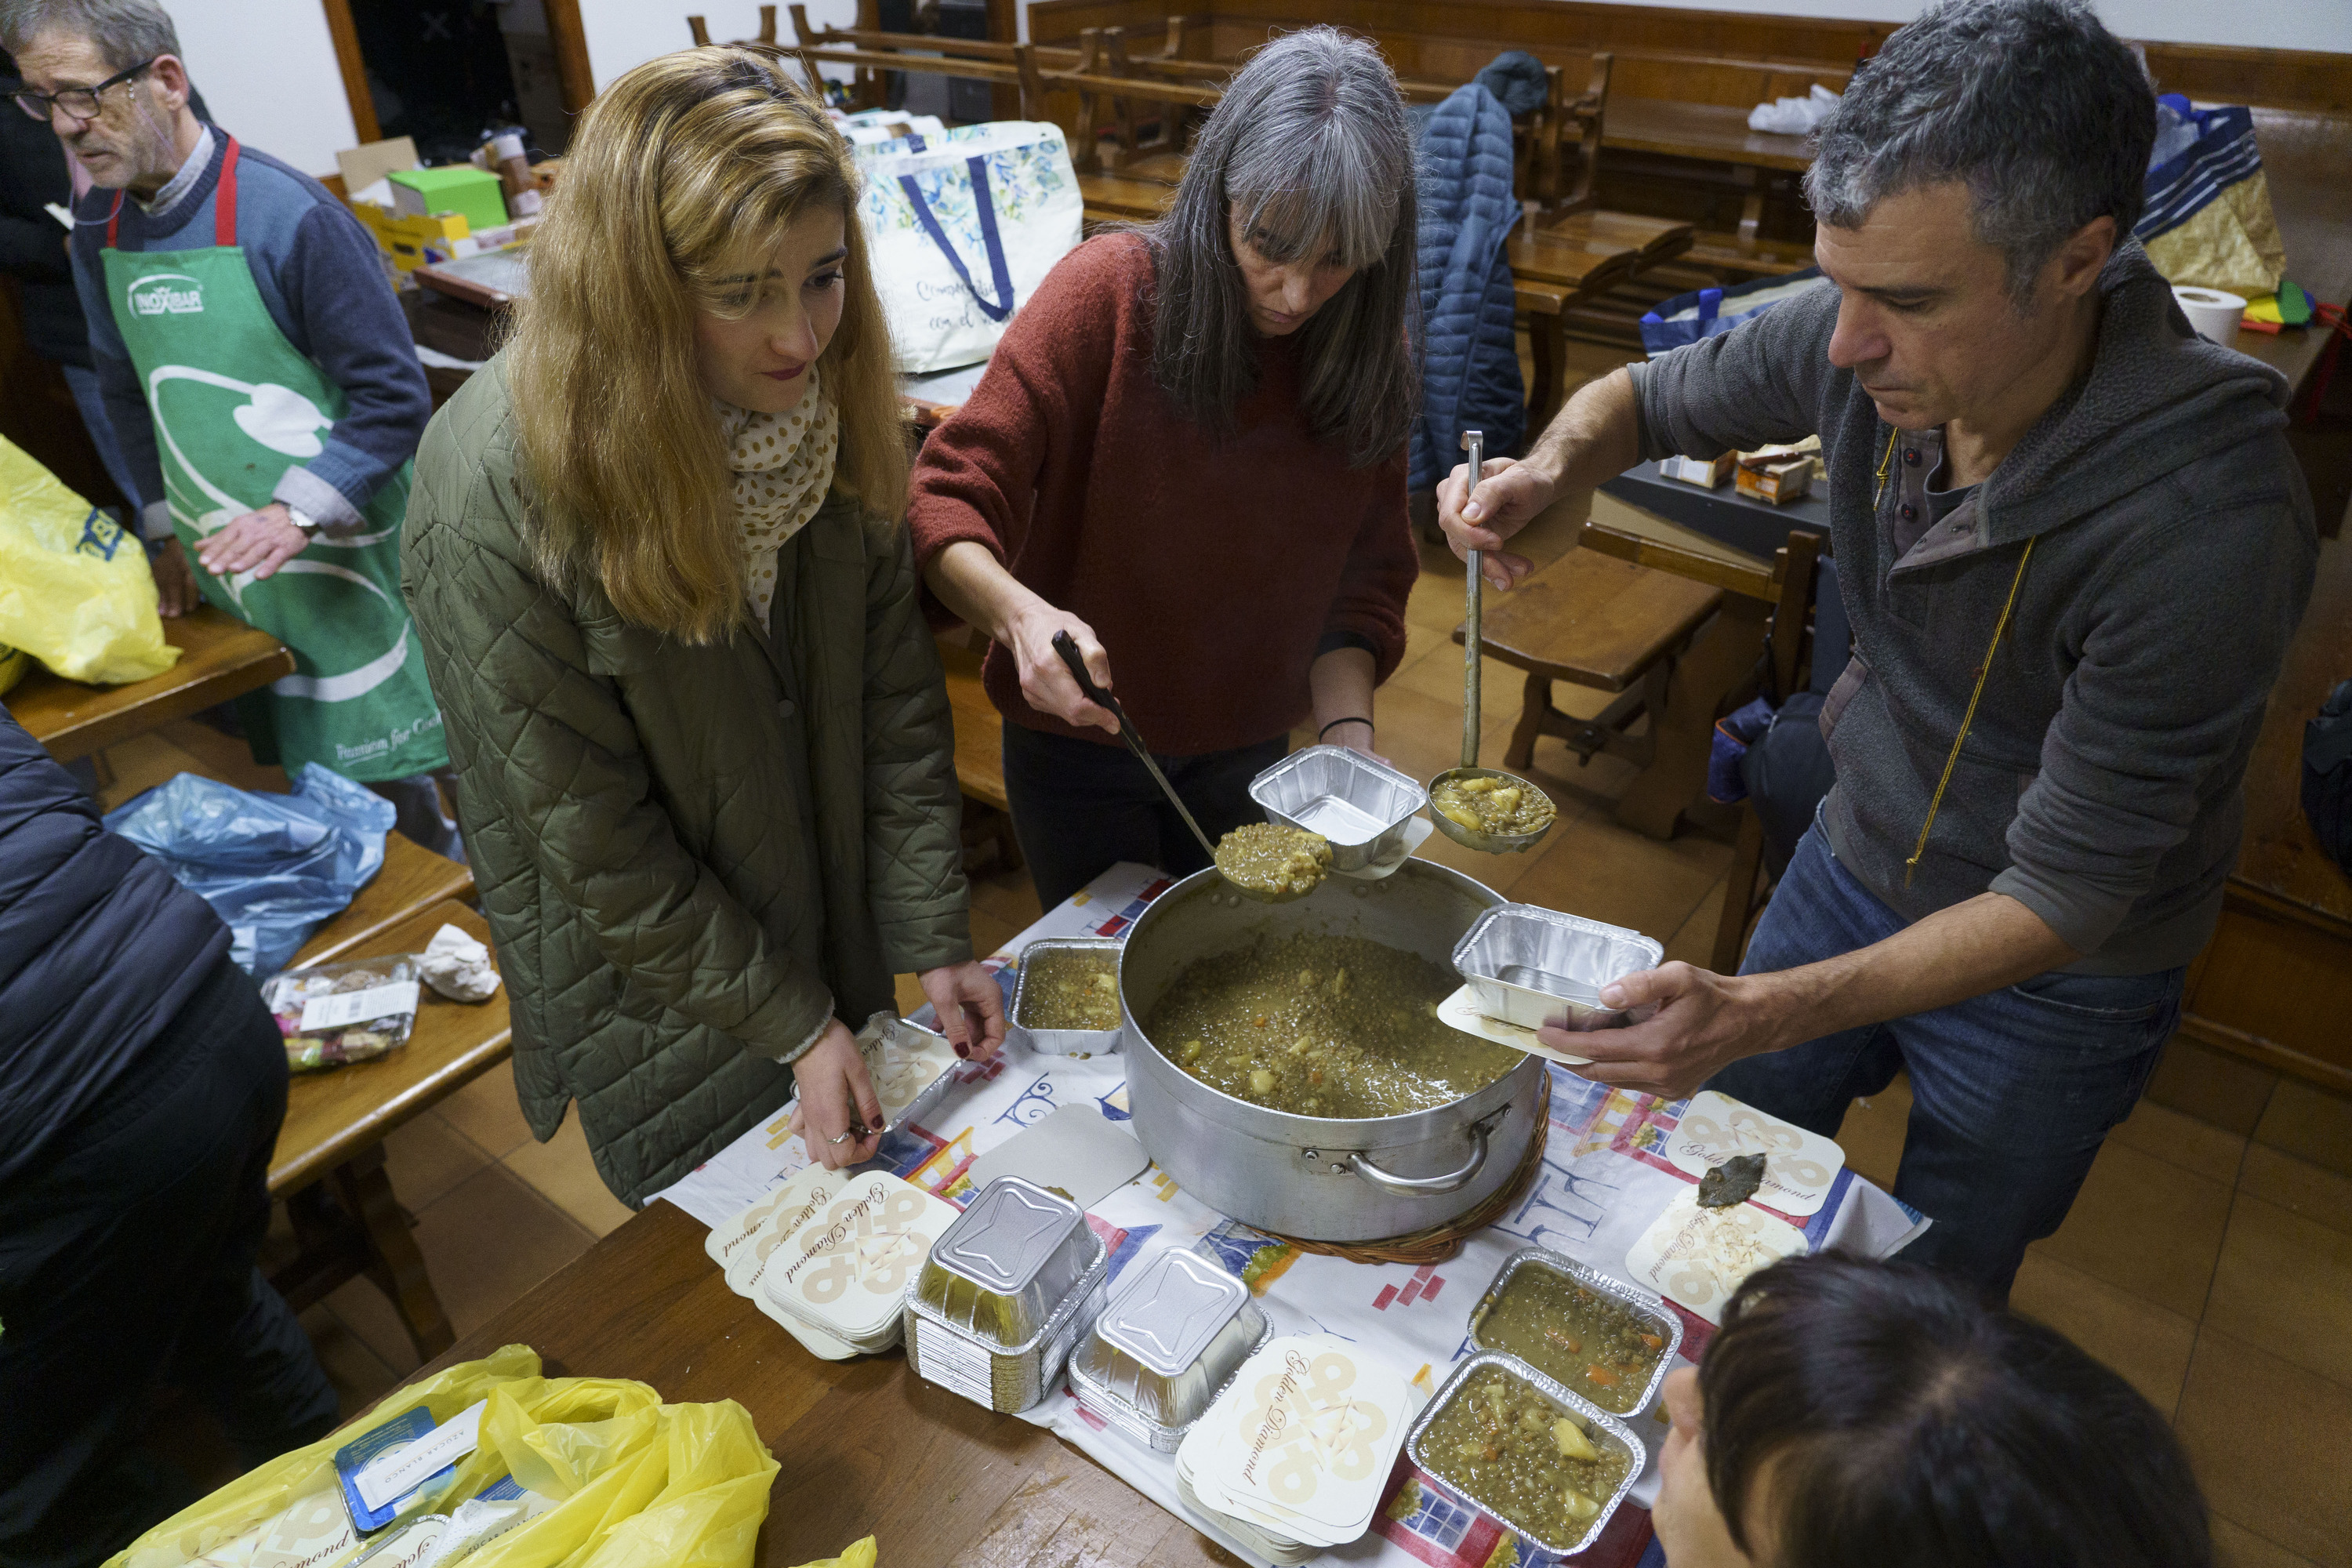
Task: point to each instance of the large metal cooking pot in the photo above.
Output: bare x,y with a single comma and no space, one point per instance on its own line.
1319,1177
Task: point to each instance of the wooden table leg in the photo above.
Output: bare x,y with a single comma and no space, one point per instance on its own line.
394,1262
1547,338
1723,657
1535,707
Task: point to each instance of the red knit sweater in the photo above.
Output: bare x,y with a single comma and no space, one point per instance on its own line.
1211,571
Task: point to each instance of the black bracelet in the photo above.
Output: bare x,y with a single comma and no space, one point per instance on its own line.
1335,723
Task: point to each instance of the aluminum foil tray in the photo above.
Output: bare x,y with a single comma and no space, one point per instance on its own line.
1008,1262
1168,1340
1063,1042
913,1037
1360,805
1006,1378
1605,1428
1644,1304
1535,967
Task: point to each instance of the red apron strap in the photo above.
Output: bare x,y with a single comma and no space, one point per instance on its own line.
224,205
224,200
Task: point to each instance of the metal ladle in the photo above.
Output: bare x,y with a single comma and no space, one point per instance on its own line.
1475,443
1067,646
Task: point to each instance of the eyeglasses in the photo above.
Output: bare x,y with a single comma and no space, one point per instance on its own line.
78,102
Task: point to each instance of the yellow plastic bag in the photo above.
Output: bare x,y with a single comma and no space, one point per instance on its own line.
713,1497
860,1555
266,1491
14,665
75,591
635,1482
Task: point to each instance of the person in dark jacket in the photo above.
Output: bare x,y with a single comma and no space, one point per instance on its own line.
141,1086
33,177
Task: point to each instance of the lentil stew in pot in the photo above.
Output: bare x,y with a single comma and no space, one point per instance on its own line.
1324,1026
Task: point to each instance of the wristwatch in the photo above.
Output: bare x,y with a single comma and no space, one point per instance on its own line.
301,519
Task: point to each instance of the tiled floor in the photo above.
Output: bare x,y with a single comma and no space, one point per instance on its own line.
2209,1258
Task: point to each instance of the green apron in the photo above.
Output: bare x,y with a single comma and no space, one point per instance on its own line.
233,403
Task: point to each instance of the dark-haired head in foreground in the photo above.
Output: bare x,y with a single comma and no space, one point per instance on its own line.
1859,1415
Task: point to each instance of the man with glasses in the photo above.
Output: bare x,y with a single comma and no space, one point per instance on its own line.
36,192
261,380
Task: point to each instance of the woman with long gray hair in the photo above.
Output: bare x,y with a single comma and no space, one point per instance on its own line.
1189,453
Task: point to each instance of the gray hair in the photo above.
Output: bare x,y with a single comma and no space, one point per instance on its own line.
1309,141
2047,115
126,32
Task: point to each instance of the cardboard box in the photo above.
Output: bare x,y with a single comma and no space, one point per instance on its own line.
474,193
1707,473
1776,478
363,165
406,238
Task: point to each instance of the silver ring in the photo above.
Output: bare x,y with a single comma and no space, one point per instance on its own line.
839,1138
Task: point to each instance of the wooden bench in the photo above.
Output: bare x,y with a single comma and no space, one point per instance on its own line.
978,755
410,878
328,1162
2275,984
1597,622
220,657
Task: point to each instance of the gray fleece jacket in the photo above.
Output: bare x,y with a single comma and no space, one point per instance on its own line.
2101,784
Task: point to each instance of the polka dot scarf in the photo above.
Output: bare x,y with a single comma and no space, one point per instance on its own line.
782,465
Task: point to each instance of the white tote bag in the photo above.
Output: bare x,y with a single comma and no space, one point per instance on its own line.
962,229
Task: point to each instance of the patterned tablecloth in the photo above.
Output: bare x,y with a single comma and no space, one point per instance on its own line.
1602,1183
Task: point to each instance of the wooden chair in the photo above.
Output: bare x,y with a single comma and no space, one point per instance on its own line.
1789,646
873,52
328,1162
1594,621
767,28
979,758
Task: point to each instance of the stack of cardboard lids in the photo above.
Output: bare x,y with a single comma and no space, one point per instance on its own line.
1291,1458
1004,1295
830,1253
1170,1336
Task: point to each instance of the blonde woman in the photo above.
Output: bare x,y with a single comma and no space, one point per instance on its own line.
656,557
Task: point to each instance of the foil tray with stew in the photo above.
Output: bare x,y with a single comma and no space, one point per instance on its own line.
1595,1336
1065,997
1004,1294
1527,1452
1323,1025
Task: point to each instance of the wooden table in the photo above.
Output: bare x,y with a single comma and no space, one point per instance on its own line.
1712,132
2307,160
328,1162
220,657
866,1447
411,878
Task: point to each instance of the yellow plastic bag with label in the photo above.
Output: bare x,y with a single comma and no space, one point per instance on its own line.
632,1481
75,591
267,1492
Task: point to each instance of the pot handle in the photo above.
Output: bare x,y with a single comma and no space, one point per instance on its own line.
1426,1186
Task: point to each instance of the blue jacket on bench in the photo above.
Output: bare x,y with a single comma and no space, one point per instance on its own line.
1471,377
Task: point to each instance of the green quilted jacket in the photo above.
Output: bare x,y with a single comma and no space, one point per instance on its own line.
683,886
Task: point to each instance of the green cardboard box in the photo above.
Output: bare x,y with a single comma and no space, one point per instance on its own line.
476,194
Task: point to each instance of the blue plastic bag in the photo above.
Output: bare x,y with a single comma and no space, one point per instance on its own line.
273,867
1704,312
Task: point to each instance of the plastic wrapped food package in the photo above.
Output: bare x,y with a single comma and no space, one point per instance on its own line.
333,1014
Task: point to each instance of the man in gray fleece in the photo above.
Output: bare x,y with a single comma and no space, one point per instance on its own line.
2074,546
